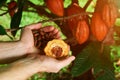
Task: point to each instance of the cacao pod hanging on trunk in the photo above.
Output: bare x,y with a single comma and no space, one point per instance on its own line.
12,7
98,27
78,24
55,6
72,10
82,32
109,14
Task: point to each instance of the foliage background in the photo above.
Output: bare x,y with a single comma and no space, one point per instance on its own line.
33,17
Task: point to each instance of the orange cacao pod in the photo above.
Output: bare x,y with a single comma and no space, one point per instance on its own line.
82,32
12,8
98,27
109,14
55,6
72,10
56,48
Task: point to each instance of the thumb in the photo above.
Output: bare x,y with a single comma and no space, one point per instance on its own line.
35,50
66,62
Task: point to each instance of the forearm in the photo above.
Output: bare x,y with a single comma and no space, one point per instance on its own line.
20,70
24,68
9,50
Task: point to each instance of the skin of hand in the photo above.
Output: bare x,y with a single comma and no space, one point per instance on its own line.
11,51
24,68
27,37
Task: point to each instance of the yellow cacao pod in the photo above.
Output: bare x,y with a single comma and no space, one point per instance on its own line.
56,48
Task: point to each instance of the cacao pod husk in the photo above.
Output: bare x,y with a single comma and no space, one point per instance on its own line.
55,6
109,14
12,8
98,27
72,10
82,32
78,24
56,48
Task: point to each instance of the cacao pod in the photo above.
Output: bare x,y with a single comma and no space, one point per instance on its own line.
109,14
55,6
72,10
82,32
56,48
12,8
98,27
99,5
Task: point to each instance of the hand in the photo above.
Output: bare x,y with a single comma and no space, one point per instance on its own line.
48,64
26,67
27,38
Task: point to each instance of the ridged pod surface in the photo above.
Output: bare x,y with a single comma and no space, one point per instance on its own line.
55,6
82,32
78,24
109,14
72,10
98,27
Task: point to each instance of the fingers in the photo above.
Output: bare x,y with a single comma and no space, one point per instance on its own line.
66,62
48,29
53,31
34,26
57,35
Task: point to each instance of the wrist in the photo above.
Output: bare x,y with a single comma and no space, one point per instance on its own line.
25,68
23,47
29,49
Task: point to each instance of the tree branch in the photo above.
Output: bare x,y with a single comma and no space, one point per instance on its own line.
75,1
87,4
4,13
40,9
54,19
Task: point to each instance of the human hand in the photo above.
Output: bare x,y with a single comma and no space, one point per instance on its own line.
27,38
49,64
44,35
24,68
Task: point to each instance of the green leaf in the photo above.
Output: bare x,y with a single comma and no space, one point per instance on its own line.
15,22
2,2
103,67
84,61
2,30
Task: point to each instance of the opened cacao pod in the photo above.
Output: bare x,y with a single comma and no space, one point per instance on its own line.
82,31
56,48
109,14
55,6
98,27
